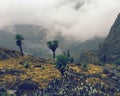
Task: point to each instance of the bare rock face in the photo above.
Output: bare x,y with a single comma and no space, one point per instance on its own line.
110,49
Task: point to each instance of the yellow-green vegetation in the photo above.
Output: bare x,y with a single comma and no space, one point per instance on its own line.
94,80
75,68
93,69
41,72
42,75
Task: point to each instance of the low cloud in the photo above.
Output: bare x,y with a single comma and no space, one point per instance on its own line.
78,19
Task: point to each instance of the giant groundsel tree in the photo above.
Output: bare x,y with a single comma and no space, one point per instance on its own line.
53,45
19,39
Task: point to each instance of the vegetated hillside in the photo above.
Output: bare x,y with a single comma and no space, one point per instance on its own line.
39,77
110,49
14,66
36,38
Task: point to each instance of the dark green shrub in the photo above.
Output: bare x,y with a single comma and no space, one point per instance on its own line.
61,62
85,66
42,68
27,64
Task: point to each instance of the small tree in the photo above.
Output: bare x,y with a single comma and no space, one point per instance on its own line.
61,62
53,45
19,39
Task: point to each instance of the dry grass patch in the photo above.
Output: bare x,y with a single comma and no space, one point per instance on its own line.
93,69
42,75
94,80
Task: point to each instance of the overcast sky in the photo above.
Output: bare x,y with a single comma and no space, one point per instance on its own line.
82,19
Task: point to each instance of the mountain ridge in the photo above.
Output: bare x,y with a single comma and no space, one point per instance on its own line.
110,47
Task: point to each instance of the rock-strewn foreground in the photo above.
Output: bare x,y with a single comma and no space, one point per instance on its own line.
38,77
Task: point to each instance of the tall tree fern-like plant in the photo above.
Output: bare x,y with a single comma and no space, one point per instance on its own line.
53,45
19,39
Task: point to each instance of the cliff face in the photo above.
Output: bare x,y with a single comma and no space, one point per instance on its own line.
110,49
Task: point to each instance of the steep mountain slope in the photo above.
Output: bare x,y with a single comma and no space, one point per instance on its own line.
110,49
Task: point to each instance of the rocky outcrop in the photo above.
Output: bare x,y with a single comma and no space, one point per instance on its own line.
110,49
7,53
27,87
